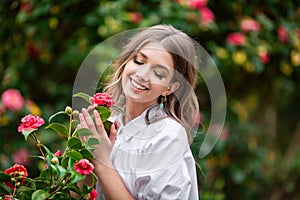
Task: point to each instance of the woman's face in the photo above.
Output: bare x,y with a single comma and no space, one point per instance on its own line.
148,74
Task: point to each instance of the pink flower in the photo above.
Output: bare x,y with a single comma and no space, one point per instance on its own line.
17,172
93,195
30,122
236,39
207,16
248,25
264,57
197,4
135,17
20,156
84,167
102,99
12,99
58,153
282,34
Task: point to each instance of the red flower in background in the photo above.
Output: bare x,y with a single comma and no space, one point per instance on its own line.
58,153
18,172
30,122
248,25
236,39
207,16
12,99
197,4
93,195
84,167
264,57
20,156
282,34
135,17
101,99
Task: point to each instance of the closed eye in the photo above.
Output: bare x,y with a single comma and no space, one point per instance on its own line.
137,61
159,75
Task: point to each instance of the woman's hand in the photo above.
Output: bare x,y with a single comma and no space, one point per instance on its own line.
103,150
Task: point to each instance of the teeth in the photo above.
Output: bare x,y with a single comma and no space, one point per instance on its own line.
138,86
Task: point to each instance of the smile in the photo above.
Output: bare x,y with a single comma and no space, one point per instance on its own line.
137,85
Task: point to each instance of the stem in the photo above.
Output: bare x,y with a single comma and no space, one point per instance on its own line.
38,142
70,126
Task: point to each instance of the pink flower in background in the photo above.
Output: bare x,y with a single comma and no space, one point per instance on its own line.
84,167
282,34
248,25
102,99
197,4
135,17
20,156
207,16
236,39
12,99
264,57
93,195
30,122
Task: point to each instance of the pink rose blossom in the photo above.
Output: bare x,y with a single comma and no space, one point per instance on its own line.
93,195
12,100
58,153
197,4
207,16
248,25
236,39
282,34
135,17
264,57
101,99
84,167
30,122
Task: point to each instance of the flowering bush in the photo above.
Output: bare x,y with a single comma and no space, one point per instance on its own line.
65,168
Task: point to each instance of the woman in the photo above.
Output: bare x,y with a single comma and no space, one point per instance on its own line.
147,154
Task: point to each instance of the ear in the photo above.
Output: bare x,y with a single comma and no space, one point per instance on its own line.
172,88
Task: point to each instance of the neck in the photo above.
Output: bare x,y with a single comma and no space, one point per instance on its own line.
134,109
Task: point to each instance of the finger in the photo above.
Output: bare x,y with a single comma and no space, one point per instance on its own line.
113,133
92,107
99,123
89,121
82,121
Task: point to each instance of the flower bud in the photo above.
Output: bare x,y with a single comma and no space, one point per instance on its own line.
54,161
18,184
75,112
13,180
68,110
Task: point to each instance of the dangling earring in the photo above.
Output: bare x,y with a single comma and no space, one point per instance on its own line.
162,100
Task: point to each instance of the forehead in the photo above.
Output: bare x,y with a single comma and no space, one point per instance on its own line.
155,53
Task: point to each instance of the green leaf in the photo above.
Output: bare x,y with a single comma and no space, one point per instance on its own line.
4,177
116,108
26,133
74,143
55,114
59,128
49,153
85,96
93,141
75,155
40,195
104,113
87,154
76,177
3,189
61,171
84,132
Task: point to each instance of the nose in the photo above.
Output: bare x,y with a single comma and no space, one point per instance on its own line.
142,73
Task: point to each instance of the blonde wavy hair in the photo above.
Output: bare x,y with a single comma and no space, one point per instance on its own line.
182,105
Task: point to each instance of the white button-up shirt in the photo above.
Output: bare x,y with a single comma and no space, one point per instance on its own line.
153,158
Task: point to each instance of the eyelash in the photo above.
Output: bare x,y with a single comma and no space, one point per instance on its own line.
138,62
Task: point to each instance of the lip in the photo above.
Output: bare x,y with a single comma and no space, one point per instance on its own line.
137,86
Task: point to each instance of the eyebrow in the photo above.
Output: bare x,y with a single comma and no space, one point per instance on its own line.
158,65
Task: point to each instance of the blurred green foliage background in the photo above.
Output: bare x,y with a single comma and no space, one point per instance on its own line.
255,44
